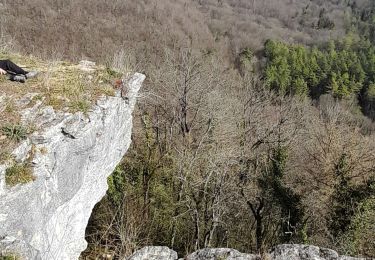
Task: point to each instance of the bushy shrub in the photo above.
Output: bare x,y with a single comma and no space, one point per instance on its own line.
15,132
18,174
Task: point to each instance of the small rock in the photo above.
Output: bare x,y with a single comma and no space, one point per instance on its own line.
87,66
22,151
26,99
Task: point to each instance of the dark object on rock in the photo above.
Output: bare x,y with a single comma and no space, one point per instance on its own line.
15,72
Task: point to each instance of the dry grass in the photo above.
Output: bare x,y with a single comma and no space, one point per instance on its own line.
9,257
60,84
19,174
63,84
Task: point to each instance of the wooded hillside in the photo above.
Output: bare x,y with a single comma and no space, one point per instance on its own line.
255,126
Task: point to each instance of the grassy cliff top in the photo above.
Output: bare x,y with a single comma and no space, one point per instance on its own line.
60,84
63,84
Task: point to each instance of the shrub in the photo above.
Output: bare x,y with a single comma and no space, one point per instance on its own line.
80,105
5,156
18,174
359,239
14,132
9,257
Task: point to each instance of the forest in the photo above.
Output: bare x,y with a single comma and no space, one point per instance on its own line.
343,69
255,126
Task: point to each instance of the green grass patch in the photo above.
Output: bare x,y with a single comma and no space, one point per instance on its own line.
80,105
9,257
5,156
19,174
14,132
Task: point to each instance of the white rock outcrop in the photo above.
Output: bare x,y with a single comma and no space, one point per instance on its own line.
73,155
280,252
155,253
220,253
302,252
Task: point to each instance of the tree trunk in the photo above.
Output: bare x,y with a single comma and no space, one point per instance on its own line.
146,193
257,213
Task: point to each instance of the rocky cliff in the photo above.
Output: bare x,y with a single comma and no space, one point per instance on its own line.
71,158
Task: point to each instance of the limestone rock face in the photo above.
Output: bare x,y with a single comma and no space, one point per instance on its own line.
72,156
220,253
155,253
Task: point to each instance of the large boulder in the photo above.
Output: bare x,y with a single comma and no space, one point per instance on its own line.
154,253
280,252
305,252
220,253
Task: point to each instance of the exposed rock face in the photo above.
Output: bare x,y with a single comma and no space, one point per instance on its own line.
280,252
220,253
72,158
154,252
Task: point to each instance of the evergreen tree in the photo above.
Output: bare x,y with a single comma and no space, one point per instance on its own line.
282,197
347,197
